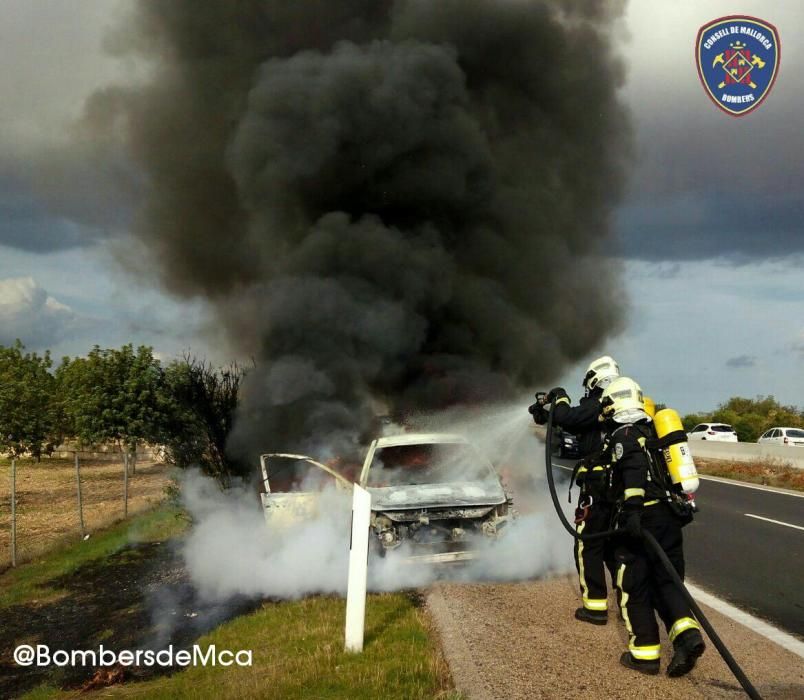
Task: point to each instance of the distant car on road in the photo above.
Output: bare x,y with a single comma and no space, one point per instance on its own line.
718,432
565,444
792,437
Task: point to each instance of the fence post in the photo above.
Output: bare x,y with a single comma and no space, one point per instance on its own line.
78,488
125,484
13,512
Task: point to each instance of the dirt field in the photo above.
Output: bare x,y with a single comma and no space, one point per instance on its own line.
47,511
767,472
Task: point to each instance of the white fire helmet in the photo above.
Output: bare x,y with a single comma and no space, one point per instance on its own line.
600,372
622,401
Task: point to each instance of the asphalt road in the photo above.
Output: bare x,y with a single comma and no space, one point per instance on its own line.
751,563
755,564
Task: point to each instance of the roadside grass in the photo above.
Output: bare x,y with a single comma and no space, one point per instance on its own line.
47,511
298,653
767,472
297,646
43,692
31,582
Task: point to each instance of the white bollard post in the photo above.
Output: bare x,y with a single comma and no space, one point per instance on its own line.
358,570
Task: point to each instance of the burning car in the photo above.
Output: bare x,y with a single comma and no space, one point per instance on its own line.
434,494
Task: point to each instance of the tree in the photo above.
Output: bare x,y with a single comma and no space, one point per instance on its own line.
114,396
28,409
203,404
692,419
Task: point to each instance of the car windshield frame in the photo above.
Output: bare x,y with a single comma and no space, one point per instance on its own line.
399,474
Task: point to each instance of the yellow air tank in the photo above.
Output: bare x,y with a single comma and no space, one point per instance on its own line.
650,407
677,456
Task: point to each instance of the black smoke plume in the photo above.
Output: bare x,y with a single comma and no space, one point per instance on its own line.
397,202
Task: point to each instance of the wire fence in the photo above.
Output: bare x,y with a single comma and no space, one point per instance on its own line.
61,499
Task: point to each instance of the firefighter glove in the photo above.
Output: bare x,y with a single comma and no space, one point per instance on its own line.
538,413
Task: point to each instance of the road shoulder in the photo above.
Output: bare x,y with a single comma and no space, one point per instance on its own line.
520,640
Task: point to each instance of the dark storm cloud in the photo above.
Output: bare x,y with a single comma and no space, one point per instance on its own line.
24,224
707,185
739,227
403,201
741,362
70,193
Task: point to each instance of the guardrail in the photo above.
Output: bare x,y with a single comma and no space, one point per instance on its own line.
747,452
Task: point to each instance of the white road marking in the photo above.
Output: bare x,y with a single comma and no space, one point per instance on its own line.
561,466
771,520
765,629
756,487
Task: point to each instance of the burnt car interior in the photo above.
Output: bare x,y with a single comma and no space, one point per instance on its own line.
296,475
398,465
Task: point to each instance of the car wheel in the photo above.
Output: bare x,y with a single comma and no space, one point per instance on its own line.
703,438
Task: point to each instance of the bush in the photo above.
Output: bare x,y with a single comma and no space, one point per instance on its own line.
749,417
203,403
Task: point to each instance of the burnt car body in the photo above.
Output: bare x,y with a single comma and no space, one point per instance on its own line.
434,497
292,487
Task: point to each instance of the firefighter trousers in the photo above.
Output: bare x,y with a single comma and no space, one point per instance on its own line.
590,557
645,586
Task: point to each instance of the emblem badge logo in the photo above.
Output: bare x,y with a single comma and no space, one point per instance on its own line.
738,60
618,450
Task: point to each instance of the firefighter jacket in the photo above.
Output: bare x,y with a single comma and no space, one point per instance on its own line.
634,480
581,420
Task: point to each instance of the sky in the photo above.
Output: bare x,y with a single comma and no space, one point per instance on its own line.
710,229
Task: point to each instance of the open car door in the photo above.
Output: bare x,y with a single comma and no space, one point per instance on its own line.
293,485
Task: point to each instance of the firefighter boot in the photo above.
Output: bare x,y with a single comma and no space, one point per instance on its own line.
688,647
596,617
650,668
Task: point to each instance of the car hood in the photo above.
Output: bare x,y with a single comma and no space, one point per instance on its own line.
458,493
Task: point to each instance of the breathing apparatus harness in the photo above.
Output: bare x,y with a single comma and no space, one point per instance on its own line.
651,542
659,473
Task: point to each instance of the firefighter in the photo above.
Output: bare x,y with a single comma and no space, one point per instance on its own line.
644,502
594,511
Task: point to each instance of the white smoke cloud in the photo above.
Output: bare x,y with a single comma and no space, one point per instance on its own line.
231,551
29,313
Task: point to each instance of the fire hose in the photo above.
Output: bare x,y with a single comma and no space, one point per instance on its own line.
734,667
